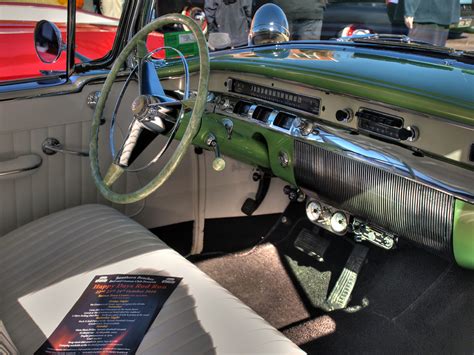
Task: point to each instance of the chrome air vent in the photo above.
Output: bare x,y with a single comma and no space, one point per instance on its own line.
261,113
242,108
403,207
284,120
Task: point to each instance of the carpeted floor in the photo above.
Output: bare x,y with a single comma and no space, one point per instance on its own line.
264,284
406,301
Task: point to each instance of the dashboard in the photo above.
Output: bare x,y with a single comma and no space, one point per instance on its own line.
306,107
378,171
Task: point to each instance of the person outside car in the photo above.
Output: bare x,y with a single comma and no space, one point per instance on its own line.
230,16
305,17
429,20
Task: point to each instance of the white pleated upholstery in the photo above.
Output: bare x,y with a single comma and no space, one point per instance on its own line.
46,265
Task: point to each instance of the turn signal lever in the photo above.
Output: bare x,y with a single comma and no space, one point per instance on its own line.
218,164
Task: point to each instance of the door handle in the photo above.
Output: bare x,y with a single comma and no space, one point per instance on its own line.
52,146
21,166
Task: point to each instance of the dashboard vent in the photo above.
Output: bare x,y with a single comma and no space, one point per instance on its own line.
284,120
404,207
242,107
262,113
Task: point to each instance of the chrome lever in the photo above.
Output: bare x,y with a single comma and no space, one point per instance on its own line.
52,146
218,164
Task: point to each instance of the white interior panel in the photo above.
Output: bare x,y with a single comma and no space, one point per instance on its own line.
64,180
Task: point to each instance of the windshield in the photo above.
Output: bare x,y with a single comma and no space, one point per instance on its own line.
433,23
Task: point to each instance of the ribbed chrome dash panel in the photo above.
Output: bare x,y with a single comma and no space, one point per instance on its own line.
399,205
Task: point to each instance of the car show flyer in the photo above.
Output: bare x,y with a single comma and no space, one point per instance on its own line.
111,316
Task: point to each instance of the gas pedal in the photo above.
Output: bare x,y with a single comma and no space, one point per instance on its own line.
312,244
341,293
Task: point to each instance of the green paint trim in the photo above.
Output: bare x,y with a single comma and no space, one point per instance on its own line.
463,234
250,143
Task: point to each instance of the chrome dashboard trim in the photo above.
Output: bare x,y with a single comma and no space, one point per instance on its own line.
440,175
307,90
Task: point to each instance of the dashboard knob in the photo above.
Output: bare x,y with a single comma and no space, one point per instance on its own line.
218,164
344,115
410,133
305,127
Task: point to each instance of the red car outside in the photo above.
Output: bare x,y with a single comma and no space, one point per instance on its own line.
95,36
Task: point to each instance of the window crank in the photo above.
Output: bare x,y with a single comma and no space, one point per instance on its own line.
218,164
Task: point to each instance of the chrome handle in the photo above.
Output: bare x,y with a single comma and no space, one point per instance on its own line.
22,165
52,146
218,164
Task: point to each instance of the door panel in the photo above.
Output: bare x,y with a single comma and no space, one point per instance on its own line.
65,181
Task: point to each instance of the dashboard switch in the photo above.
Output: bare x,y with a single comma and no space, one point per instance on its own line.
305,127
229,127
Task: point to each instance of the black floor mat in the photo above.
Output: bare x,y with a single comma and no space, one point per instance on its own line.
406,301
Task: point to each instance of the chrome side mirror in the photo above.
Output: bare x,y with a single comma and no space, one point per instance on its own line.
48,42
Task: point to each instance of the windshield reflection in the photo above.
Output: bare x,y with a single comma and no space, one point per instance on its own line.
437,23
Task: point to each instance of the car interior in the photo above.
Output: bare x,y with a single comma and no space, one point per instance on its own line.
301,217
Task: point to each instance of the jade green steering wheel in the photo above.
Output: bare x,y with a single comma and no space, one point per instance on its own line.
115,170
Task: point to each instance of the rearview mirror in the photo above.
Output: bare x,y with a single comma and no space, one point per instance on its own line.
48,42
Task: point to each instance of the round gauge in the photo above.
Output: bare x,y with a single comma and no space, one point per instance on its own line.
339,222
314,211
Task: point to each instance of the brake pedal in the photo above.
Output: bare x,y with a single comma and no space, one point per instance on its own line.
312,244
341,293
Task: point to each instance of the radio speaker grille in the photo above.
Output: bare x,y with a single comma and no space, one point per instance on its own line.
401,206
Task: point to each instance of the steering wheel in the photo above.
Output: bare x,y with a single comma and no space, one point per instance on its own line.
150,91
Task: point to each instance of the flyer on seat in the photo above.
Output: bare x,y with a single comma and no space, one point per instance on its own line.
112,315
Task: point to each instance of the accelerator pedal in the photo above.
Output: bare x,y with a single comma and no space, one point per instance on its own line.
312,244
341,293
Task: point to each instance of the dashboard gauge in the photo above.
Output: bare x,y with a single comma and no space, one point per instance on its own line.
339,222
314,211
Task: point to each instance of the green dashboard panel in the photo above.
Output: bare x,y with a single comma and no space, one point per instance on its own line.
249,143
463,234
